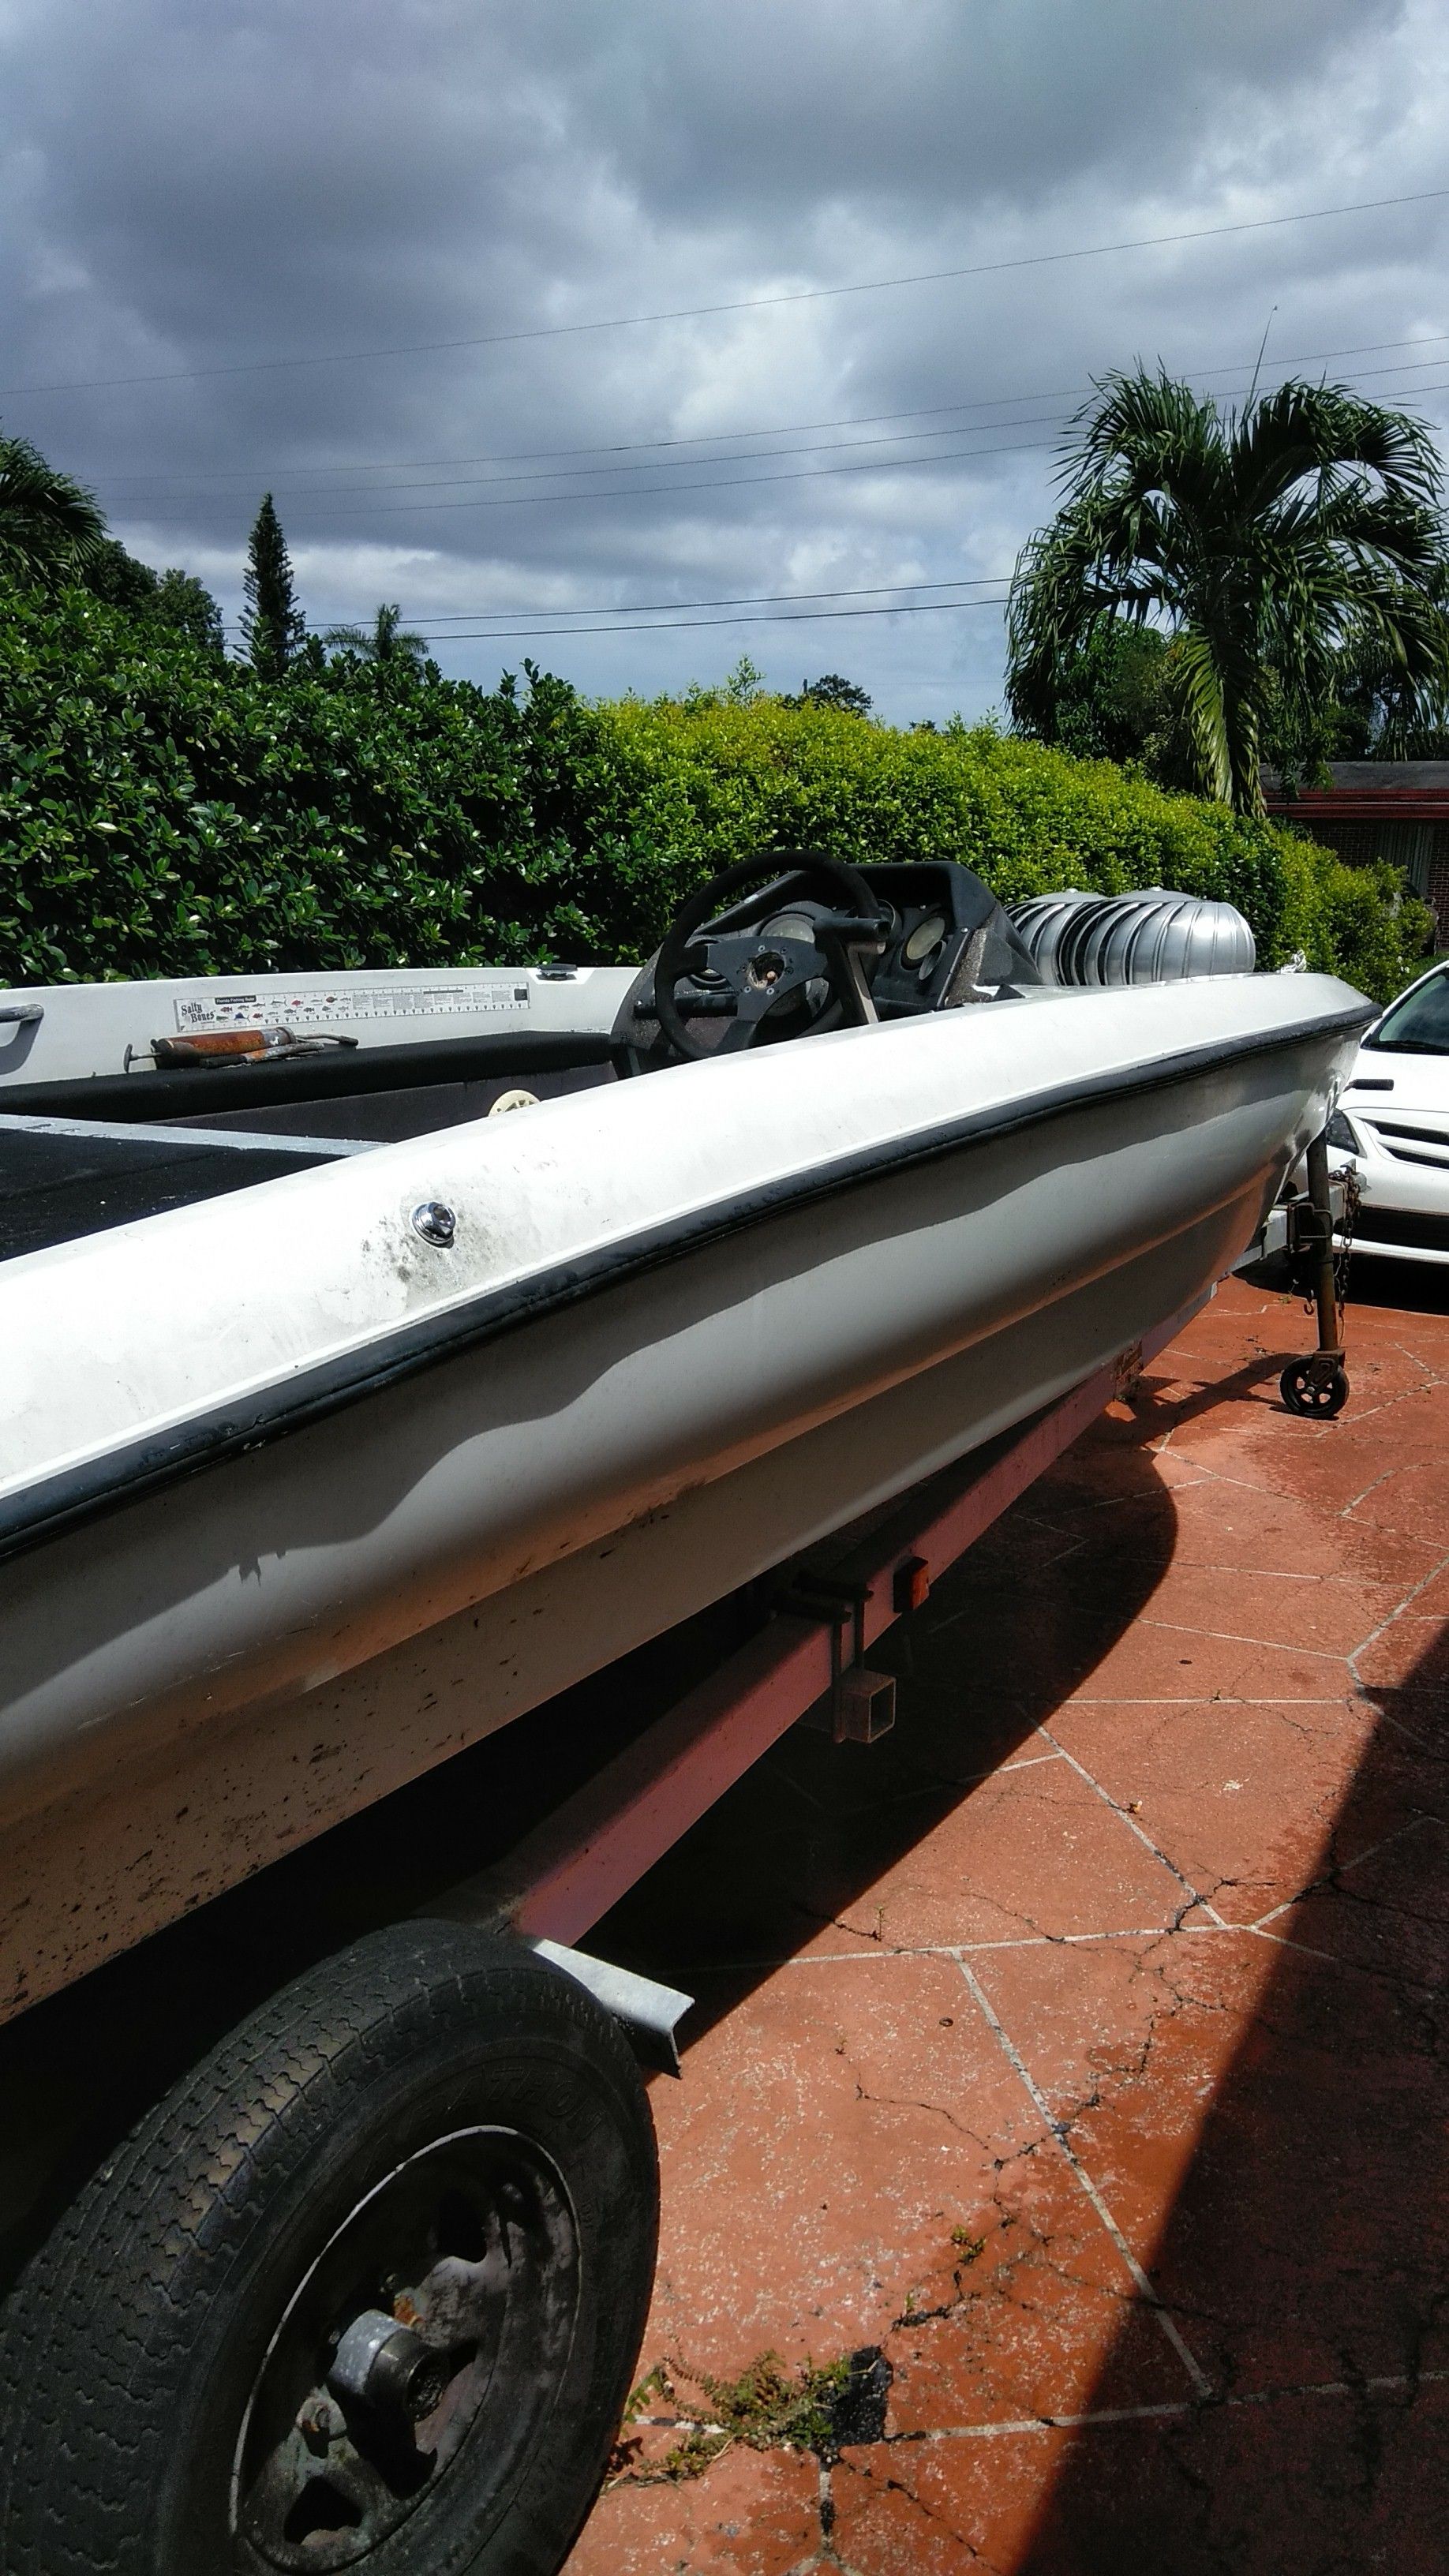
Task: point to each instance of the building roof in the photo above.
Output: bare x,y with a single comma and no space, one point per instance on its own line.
1409,791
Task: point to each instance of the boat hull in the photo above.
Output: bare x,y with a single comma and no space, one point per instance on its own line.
201,1677
143,1838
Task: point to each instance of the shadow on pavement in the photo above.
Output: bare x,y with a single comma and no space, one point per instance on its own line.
1026,1615
1308,2248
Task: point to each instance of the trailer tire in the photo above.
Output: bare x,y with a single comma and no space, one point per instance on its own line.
420,2184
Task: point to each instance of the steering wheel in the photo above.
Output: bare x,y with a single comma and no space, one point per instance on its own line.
752,979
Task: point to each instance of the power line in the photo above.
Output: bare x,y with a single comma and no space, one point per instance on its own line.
675,626
747,599
270,475
741,304
672,626
697,438
893,438
542,456
663,464
666,491
356,508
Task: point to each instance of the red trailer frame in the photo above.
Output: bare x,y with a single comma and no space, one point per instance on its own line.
833,1605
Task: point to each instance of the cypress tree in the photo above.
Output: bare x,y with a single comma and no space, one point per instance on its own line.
273,626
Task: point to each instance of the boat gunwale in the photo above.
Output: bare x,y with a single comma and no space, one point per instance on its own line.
59,1503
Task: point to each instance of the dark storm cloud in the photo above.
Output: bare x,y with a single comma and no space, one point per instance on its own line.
189,187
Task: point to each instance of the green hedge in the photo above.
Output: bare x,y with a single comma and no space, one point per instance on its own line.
717,780
164,812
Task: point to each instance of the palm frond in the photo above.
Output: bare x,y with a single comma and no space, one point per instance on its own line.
1266,543
51,527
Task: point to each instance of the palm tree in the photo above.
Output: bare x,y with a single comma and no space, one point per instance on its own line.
1268,543
51,527
385,640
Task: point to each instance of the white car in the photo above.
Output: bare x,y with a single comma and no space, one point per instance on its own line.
1393,1119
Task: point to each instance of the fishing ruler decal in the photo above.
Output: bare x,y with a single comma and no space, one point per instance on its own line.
312,1006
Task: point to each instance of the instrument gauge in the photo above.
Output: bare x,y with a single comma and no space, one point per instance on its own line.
924,939
788,925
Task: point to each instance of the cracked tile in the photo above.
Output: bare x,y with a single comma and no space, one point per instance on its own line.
1258,2121
832,2129
1152,1662
1033,1851
1411,1650
1379,1901
1305,2486
1277,1608
1241,1798
1349,2484
1231,1526
1036,2314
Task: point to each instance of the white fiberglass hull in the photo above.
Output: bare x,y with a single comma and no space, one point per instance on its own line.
383,1499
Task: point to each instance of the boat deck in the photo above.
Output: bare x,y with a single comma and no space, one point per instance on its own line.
63,1178
1081,2046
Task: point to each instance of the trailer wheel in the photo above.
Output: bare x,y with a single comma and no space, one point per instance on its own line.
1309,1387
363,2293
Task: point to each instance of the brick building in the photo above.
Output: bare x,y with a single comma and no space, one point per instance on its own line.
1380,809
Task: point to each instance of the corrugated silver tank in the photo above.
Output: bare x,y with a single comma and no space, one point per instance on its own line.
1041,924
1150,937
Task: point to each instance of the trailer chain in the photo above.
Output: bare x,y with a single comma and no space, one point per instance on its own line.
1343,1254
1348,1180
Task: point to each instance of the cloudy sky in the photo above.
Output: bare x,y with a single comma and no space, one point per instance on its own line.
388,258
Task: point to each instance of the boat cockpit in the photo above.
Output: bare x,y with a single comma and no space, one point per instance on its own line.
120,1100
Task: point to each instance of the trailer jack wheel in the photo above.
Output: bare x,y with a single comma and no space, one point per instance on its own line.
1317,1387
363,2294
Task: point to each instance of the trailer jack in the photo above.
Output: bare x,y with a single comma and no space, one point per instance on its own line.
1317,1386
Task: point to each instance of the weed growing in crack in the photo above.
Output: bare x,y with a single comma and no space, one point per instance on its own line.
770,2407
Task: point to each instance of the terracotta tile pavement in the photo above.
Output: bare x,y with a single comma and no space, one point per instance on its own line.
1081,2049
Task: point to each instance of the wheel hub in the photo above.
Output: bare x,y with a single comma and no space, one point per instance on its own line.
435,2316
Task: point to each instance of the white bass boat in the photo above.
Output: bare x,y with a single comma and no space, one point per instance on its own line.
345,1422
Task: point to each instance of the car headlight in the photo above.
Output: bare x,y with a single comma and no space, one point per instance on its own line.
1340,1135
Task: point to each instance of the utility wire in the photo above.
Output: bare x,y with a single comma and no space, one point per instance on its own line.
779,617
661,463
356,508
740,304
542,472
270,476
746,599
666,491
672,626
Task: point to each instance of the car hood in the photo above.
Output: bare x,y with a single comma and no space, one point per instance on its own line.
1419,1082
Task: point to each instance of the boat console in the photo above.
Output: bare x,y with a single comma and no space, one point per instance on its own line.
792,945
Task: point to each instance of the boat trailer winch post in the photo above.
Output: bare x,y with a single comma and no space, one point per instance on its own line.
1317,1386
567,1874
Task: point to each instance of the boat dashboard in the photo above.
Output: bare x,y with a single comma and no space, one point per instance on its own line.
792,945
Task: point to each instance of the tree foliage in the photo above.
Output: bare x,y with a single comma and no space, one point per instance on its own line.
174,599
385,640
164,812
167,812
51,527
832,689
1268,544
273,626
1113,701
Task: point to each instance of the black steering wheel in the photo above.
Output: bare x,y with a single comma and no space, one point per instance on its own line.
753,980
